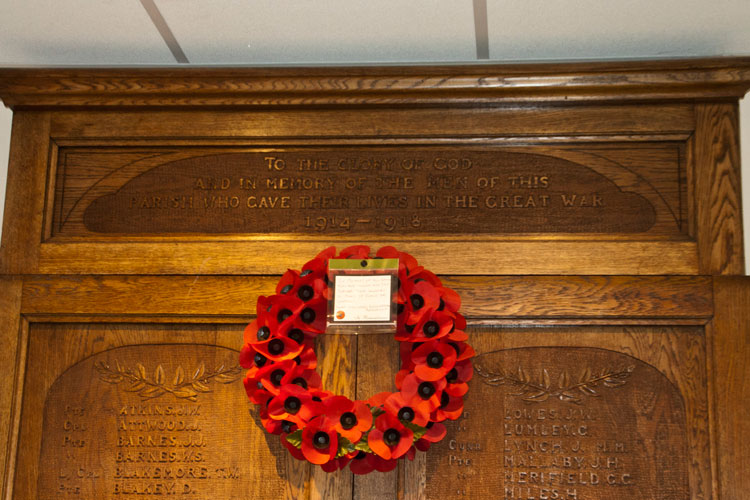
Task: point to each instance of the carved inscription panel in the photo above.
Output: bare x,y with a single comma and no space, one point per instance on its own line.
565,423
405,190
156,421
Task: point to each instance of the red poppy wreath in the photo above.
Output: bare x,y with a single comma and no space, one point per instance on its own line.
334,431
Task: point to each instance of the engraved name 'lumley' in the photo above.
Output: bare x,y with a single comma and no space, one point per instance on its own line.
343,191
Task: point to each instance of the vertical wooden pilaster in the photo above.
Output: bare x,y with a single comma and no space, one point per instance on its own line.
11,355
729,333
718,206
24,203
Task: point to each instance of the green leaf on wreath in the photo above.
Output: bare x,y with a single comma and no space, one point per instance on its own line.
295,438
418,430
345,447
376,411
362,445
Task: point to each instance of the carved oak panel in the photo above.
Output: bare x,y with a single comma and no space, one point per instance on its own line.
403,190
548,418
156,420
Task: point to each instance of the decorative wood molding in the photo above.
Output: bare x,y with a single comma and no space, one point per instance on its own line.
378,86
520,297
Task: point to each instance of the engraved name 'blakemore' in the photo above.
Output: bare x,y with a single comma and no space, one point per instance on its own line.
485,191
564,423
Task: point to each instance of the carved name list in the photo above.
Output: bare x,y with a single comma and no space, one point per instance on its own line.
152,422
564,423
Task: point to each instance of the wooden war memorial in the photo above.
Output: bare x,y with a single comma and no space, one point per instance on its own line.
588,214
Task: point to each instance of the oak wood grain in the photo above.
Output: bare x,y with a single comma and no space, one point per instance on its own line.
531,255
730,375
483,297
25,195
562,82
338,126
717,189
11,356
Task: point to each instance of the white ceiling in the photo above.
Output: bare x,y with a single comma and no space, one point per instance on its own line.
255,32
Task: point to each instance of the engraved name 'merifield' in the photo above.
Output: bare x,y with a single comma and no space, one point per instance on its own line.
149,430
564,423
485,191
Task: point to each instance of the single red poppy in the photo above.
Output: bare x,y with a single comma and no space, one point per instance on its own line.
278,348
406,263
320,442
296,452
351,418
400,376
421,299
451,407
428,327
255,390
463,350
272,374
458,377
433,360
405,350
362,464
382,465
307,379
271,425
317,267
422,444
423,274
294,404
247,357
258,329
389,439
287,282
377,400
281,312
307,358
435,433
451,299
428,391
336,464
311,316
408,408
274,426
303,285
458,333
354,252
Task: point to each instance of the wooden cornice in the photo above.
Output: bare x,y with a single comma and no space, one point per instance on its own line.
682,79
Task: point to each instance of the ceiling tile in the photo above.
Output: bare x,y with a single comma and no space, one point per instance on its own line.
609,29
309,32
105,32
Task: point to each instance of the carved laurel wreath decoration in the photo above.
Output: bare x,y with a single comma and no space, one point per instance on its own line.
588,384
181,387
